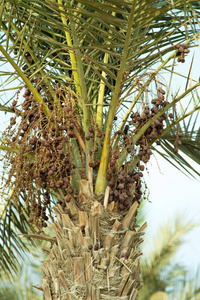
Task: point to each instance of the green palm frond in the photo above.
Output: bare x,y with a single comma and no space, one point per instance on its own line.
100,30
96,30
95,49
21,287
190,288
4,108
157,271
186,123
166,242
13,221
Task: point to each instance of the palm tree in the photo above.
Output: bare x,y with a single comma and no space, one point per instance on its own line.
162,277
83,127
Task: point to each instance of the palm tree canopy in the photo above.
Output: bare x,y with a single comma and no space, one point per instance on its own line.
101,51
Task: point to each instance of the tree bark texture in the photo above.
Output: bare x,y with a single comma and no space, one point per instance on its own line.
94,254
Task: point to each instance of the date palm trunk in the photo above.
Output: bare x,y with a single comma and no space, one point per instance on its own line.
94,253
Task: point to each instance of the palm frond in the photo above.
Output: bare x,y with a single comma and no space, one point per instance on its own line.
13,221
92,45
189,287
192,289
157,257
159,296
100,30
185,123
21,285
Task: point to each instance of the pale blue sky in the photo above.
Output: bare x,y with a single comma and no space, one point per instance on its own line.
172,194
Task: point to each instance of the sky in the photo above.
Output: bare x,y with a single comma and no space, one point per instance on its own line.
171,194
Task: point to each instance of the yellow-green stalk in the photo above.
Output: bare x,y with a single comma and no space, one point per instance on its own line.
101,96
101,176
78,78
71,52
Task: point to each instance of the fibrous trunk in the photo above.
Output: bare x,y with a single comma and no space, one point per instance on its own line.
94,253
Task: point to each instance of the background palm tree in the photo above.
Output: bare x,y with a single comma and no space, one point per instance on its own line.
21,286
162,277
82,65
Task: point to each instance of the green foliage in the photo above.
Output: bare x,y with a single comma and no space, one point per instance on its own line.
20,286
162,277
89,44
13,223
186,122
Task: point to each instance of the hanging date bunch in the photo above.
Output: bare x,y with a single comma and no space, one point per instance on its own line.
40,150
124,180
